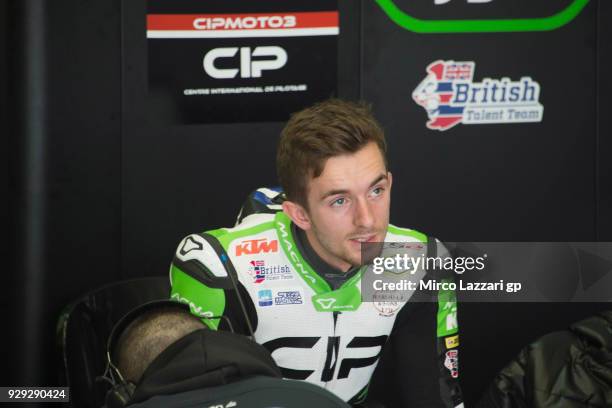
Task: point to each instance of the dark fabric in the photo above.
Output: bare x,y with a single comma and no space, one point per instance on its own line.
214,368
413,360
84,327
257,392
566,369
203,359
409,365
234,313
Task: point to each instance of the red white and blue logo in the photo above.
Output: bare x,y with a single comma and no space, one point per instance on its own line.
260,272
450,96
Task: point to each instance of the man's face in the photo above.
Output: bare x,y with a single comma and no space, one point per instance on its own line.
349,204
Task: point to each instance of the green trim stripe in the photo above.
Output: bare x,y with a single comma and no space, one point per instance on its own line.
343,299
217,233
346,298
202,300
447,312
417,25
407,232
283,229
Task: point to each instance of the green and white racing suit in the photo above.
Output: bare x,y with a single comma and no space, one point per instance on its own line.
254,275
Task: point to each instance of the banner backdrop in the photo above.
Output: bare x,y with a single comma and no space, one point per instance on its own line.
235,62
490,111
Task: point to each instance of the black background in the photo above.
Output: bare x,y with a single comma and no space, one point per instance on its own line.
176,64
99,190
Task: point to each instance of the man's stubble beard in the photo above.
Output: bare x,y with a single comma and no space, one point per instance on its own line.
345,254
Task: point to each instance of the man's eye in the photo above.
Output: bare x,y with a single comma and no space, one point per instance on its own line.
378,191
338,202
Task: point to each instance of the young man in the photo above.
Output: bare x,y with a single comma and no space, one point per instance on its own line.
292,278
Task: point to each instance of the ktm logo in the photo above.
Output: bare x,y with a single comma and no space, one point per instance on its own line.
256,246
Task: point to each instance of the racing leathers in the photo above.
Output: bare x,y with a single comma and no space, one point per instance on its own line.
253,279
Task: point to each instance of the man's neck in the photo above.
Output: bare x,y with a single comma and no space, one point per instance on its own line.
313,256
333,276
322,254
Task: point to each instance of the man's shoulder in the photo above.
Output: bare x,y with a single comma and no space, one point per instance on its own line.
400,234
210,248
253,224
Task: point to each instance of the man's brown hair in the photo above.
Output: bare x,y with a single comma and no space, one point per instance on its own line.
330,128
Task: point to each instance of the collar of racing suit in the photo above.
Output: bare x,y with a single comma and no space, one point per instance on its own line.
333,276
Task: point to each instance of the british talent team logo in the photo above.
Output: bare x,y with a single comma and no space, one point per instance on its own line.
260,272
450,96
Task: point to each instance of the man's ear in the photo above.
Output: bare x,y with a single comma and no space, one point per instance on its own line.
390,179
297,213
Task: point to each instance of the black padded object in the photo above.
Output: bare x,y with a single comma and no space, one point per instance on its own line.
83,329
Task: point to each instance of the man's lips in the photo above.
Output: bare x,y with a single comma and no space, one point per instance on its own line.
363,238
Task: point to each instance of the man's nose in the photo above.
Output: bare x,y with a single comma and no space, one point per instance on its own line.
363,214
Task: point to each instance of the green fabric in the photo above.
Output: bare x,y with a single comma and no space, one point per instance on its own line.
346,298
447,312
411,23
407,232
312,279
188,290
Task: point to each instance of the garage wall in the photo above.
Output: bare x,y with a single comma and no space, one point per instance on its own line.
103,189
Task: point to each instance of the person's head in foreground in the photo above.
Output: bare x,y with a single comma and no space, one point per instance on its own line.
332,166
168,358
148,335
